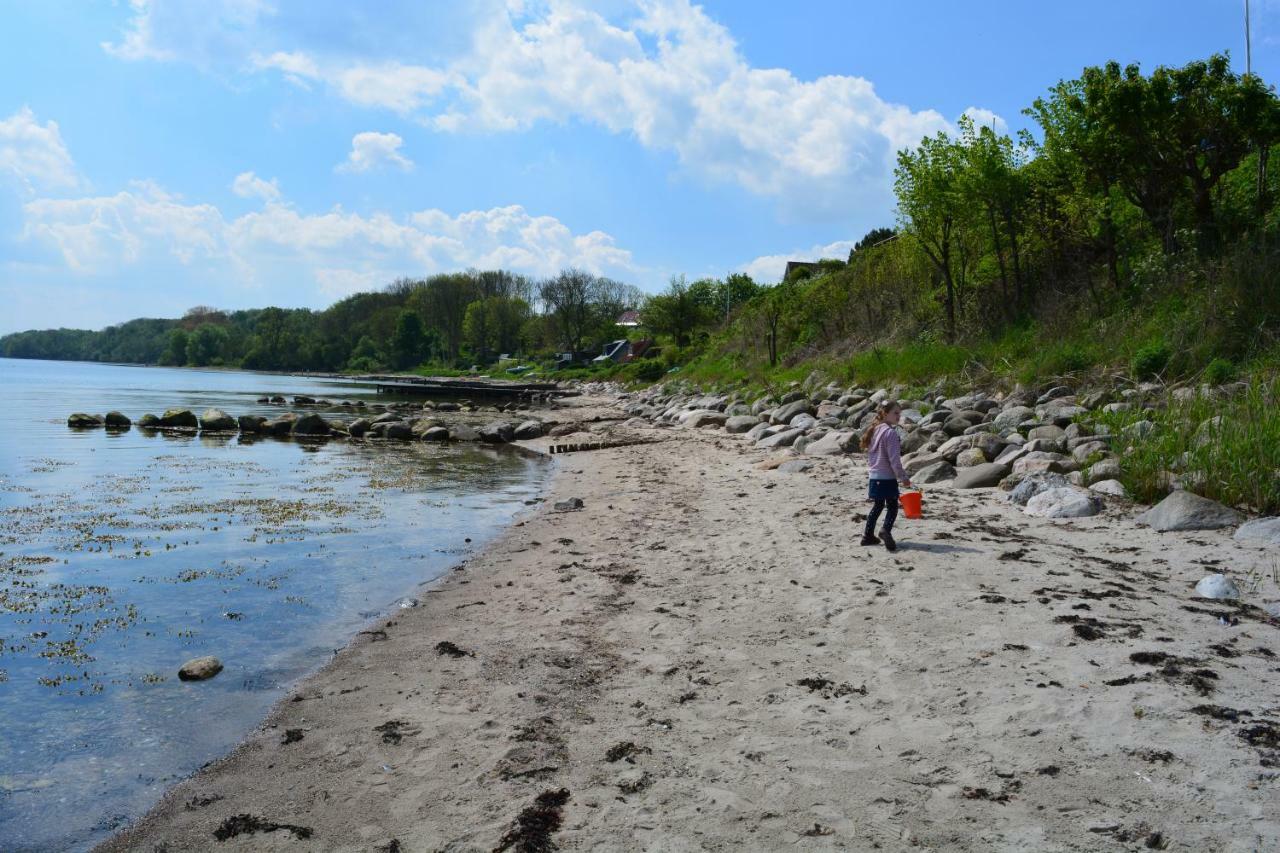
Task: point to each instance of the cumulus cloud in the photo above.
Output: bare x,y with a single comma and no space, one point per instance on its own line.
339,251
371,150
661,71
34,155
768,269
249,185
202,32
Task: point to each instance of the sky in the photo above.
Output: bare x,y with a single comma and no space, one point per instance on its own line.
161,154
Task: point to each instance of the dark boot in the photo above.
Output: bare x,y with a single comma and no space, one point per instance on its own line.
869,539
889,544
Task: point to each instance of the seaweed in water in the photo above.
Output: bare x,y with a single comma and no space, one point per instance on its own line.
248,824
534,825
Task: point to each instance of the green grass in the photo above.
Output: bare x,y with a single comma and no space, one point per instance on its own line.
1237,463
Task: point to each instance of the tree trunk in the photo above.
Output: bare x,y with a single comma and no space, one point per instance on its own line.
995,239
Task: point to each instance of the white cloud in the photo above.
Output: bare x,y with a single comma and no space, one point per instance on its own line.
249,185
661,71
371,150
198,31
34,154
986,118
337,251
768,269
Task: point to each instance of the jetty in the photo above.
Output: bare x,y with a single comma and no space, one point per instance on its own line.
486,388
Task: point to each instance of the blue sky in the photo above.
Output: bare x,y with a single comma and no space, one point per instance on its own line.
159,154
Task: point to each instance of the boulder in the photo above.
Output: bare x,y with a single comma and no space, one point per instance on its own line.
117,420
497,432
758,431
398,431
795,466
703,418
803,421
311,424
525,431
1049,431
216,420
740,423
251,423
1012,417
359,427
1038,461
1030,486
956,425
1260,530
1081,452
936,473
1183,510
200,669
183,418
833,444
466,432
969,458
785,438
148,421
435,433
1063,502
282,425
785,413
981,476
1217,586
1103,469
80,420
1113,488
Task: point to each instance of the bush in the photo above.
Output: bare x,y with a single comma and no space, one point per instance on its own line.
1150,360
649,370
1219,371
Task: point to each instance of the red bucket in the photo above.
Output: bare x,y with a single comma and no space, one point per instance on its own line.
911,504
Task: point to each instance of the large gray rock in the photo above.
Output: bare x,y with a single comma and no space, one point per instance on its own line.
938,472
1033,485
359,427
1039,461
1103,469
1013,416
785,438
313,424
199,669
398,430
795,466
740,424
216,420
179,418
833,444
251,423
1050,431
117,420
497,432
969,458
702,417
1063,502
758,431
981,476
803,421
466,432
1112,488
80,420
1260,530
526,431
435,433
785,413
1184,510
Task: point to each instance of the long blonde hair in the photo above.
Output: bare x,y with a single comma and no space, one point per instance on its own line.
885,407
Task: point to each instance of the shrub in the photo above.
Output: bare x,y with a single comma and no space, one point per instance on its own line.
1150,360
1219,371
648,370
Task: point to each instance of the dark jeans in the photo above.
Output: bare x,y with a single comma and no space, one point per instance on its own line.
884,497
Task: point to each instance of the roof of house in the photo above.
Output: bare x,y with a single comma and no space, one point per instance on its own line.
628,318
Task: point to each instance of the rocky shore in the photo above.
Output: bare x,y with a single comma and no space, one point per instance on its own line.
685,649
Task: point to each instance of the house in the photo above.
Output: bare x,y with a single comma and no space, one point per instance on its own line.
614,351
628,318
811,266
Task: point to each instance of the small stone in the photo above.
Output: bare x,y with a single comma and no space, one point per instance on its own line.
1217,586
569,505
200,669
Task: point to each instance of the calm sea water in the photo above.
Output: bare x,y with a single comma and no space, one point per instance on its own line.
123,555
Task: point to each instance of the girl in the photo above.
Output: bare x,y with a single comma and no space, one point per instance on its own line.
884,459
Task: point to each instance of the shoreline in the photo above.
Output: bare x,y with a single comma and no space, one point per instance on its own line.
702,658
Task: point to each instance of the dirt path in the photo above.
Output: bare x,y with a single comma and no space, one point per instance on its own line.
703,659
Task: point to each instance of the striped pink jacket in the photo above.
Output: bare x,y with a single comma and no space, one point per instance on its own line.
884,456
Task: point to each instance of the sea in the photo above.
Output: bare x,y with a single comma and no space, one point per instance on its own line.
125,554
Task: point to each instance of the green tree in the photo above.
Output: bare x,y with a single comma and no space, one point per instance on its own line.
175,351
409,343
206,345
680,310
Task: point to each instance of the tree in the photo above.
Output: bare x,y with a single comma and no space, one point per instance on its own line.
932,205
679,311
206,345
872,238
570,302
175,351
409,343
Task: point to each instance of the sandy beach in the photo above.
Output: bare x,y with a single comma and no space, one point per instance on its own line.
701,657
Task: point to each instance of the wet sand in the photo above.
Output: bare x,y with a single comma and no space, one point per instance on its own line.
702,658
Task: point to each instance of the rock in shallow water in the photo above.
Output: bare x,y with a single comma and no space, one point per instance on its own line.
80,420
200,669
215,420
